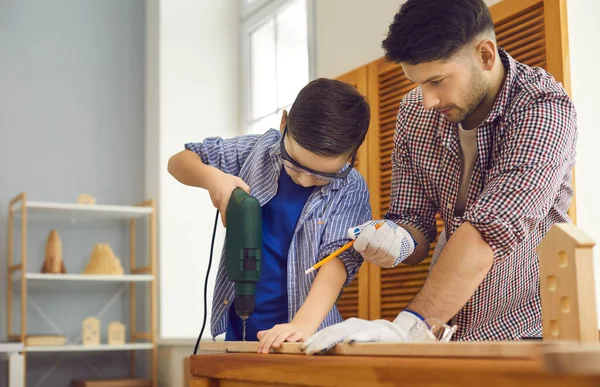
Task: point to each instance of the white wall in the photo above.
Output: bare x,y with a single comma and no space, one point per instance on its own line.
71,121
583,27
349,33
193,88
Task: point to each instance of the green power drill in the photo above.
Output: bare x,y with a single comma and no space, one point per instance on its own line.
243,250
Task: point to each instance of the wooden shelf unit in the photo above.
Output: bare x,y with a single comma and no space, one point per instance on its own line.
19,206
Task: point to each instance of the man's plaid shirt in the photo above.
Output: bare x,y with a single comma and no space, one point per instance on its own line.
521,185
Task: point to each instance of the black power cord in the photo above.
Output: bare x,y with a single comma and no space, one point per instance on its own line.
212,245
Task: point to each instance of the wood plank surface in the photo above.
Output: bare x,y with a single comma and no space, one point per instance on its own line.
508,349
517,350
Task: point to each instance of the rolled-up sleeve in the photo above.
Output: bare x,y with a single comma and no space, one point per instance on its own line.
228,155
534,161
354,209
409,203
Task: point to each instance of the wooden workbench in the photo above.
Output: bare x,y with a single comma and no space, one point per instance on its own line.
529,364
568,355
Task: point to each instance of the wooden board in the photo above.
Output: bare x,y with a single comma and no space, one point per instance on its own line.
496,349
246,347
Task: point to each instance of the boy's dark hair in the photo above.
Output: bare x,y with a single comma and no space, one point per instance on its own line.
329,118
429,30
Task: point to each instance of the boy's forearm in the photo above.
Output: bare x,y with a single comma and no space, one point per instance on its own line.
322,295
187,167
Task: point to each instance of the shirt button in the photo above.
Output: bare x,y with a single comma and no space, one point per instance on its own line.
449,206
225,302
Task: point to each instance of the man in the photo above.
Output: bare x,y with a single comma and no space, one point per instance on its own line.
487,142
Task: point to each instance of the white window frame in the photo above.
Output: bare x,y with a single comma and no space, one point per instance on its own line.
252,16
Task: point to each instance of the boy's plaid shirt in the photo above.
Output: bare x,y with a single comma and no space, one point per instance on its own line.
521,185
322,228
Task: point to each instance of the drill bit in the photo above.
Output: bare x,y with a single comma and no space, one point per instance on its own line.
244,329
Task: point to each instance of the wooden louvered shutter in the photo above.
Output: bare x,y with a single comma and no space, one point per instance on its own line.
355,297
534,32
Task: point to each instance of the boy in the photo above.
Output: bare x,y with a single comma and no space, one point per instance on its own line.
310,195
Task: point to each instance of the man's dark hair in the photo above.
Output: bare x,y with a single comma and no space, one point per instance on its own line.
429,30
329,118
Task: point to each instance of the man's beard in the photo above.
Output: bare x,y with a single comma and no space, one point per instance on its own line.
472,99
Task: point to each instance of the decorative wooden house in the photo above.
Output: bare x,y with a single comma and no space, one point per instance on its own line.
116,333
91,331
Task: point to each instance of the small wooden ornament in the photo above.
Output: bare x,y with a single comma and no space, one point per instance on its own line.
47,340
53,260
86,199
91,331
116,333
103,261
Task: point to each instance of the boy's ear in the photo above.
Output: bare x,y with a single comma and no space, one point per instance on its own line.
283,120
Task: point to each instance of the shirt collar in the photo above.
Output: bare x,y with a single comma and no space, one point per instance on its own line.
502,101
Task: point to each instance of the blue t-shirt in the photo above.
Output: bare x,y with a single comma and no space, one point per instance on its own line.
279,218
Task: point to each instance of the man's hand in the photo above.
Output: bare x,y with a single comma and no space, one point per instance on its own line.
407,327
386,247
220,188
274,337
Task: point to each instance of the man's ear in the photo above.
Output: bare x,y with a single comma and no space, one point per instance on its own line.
283,121
486,50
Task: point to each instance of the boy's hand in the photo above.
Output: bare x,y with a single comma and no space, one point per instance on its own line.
274,337
220,188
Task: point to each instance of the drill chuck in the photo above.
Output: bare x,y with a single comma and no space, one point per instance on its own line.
244,305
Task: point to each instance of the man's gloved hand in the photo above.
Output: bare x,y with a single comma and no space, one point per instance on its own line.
407,327
386,247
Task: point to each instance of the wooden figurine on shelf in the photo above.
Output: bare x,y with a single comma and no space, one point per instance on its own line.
116,333
91,331
53,261
86,199
103,261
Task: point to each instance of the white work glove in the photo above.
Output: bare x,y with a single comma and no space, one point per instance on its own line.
386,247
407,327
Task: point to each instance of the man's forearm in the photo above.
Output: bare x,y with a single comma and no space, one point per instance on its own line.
463,264
322,295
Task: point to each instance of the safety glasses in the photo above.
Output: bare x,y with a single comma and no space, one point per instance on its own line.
295,166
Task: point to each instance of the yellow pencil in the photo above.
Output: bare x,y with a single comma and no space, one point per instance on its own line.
334,254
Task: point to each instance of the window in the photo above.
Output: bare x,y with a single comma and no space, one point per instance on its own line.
276,59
